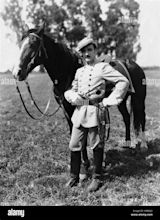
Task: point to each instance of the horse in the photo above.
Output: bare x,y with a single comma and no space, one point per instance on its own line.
61,63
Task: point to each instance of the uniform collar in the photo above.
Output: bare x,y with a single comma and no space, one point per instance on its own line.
93,65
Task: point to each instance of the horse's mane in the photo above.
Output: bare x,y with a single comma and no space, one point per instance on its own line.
65,56
61,45
64,49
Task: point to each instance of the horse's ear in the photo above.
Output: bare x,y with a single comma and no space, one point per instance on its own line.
42,28
25,28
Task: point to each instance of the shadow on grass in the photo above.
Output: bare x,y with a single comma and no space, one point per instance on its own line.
130,162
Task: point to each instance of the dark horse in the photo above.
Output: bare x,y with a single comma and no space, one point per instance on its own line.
61,64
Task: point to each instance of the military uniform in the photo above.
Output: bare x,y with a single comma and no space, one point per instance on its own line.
89,85
88,89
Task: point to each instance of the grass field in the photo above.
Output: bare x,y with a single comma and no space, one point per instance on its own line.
34,155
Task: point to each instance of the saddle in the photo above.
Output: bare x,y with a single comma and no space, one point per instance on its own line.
118,65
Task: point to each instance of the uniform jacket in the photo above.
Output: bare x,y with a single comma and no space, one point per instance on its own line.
90,84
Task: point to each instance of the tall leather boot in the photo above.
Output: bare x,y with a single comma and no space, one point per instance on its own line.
84,166
98,160
75,164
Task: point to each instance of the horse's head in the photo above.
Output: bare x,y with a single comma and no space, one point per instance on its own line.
31,53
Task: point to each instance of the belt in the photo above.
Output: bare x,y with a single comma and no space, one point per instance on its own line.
87,101
95,102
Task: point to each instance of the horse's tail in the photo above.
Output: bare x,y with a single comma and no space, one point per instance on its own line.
138,99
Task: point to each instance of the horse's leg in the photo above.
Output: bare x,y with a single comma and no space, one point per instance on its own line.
138,101
138,104
143,145
126,118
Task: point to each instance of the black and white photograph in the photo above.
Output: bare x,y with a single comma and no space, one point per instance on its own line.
79,107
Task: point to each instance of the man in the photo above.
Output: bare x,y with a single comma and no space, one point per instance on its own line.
87,93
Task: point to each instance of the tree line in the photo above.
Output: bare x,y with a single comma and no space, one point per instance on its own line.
115,28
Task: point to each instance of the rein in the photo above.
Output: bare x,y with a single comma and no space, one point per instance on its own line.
60,100
35,104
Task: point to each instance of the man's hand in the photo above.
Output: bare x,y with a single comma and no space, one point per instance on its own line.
105,102
77,100
102,106
73,97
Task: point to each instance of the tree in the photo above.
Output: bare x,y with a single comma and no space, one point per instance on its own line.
92,13
122,28
12,15
51,14
75,29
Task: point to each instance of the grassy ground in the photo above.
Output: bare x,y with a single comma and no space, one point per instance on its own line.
34,155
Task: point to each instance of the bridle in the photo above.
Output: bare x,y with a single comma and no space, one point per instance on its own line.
41,47
60,98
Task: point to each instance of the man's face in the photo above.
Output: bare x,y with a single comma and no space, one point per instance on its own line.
89,53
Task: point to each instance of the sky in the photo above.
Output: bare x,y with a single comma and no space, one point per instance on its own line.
149,31
149,19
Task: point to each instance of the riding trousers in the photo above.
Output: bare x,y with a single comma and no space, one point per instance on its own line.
79,137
